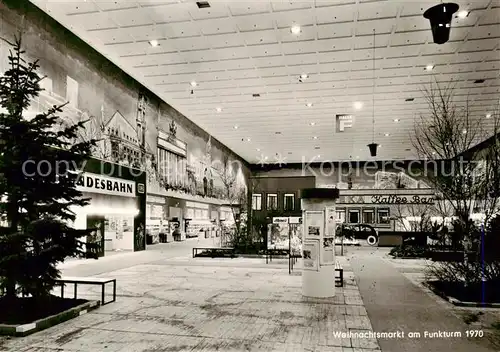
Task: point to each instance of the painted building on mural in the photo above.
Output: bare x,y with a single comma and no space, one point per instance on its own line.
133,127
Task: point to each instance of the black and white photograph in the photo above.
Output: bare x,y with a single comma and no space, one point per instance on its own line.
268,175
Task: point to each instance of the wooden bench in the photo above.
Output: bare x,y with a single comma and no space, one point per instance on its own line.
340,279
63,281
213,250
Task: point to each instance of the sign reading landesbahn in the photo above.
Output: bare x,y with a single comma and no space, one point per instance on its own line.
94,183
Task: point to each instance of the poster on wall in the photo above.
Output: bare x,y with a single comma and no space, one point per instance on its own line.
296,240
314,222
278,235
95,240
328,245
310,255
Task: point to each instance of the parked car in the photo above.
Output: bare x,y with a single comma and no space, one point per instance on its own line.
359,232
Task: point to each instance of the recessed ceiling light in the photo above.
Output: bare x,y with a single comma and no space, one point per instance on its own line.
387,134
193,84
218,109
304,76
258,149
309,105
433,153
315,137
236,127
464,131
488,116
397,120
266,158
463,14
295,29
429,67
319,156
248,139
358,105
154,43
312,123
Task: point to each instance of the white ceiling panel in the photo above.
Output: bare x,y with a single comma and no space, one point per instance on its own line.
234,49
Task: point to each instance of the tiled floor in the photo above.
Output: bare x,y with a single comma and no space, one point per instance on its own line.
210,305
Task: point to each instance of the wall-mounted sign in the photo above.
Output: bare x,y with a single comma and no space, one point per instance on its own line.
154,199
94,183
386,199
141,188
295,220
197,205
172,144
280,220
402,200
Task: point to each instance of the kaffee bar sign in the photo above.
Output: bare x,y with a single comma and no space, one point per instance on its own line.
387,199
401,200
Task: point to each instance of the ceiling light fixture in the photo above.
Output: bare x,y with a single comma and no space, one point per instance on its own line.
373,146
309,105
258,149
464,131
319,156
313,123
304,76
315,137
218,109
193,84
154,43
397,120
295,29
488,116
202,4
387,134
358,105
248,139
463,14
236,127
429,67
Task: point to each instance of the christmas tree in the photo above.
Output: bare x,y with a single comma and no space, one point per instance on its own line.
39,166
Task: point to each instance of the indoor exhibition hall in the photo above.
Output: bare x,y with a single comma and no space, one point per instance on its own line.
259,176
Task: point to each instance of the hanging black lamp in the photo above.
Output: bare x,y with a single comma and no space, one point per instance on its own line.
373,146
440,17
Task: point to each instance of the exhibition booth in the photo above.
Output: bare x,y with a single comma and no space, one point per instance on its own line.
116,209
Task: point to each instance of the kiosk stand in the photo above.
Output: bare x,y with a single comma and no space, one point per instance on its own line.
318,242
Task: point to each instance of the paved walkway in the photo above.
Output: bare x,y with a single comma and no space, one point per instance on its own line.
170,302
395,304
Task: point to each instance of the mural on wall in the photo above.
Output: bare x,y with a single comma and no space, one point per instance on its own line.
126,119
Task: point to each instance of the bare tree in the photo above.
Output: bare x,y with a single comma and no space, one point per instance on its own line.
462,175
462,150
235,194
